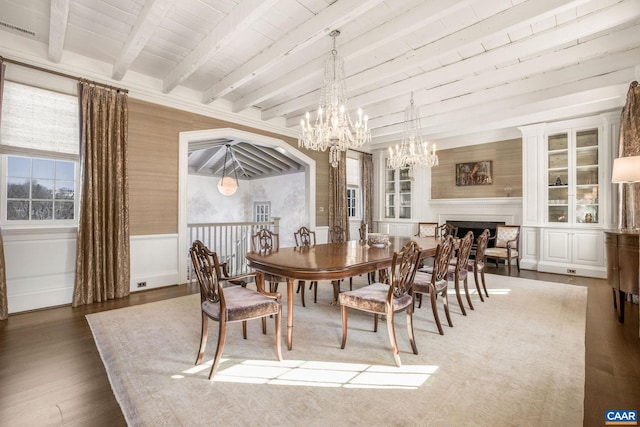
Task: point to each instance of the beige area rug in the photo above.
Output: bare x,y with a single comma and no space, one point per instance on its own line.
517,359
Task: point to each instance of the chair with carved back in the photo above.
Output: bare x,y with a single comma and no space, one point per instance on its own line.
305,238
265,241
436,282
445,230
337,234
387,299
506,245
478,262
459,269
224,302
427,229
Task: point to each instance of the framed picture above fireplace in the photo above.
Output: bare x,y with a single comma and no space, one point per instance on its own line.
474,173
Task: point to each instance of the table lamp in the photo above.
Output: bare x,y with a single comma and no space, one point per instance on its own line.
626,170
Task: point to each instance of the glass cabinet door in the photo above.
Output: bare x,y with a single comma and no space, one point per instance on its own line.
558,171
587,177
390,194
572,173
397,194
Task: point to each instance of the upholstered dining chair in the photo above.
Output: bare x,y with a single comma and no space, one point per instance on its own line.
445,230
478,262
427,229
225,303
506,246
265,241
306,238
436,282
387,299
459,269
337,234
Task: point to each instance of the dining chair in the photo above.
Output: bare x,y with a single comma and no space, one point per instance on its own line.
265,241
337,234
225,302
387,299
306,238
445,230
436,282
478,262
427,229
459,269
506,245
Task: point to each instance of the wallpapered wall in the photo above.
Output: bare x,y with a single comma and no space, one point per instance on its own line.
506,158
285,192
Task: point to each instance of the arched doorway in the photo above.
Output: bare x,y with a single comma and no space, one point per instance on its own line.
185,138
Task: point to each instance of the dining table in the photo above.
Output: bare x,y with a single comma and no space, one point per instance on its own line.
331,261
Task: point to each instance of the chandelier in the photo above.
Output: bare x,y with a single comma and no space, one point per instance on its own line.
227,186
333,128
413,151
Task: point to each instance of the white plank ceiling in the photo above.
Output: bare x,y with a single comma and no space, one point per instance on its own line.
473,65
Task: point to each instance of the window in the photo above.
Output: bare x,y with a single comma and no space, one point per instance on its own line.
262,211
40,189
39,144
353,187
352,204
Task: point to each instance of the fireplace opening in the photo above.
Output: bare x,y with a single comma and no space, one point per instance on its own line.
477,227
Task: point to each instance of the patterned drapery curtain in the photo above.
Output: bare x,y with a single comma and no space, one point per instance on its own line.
367,189
4,309
629,146
338,214
102,259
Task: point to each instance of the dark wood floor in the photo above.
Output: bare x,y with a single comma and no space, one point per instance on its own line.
51,372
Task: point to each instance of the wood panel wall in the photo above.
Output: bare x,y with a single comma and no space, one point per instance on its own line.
507,170
153,165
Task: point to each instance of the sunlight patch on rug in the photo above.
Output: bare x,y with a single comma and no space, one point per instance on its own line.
315,373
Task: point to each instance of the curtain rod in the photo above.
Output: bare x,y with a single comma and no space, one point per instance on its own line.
58,73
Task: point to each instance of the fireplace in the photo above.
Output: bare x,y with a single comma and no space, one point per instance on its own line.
477,227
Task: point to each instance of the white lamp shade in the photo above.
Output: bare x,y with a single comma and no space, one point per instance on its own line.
626,169
227,186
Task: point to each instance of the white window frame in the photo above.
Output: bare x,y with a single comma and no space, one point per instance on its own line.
355,185
265,215
10,150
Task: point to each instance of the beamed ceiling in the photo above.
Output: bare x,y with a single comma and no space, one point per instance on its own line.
473,66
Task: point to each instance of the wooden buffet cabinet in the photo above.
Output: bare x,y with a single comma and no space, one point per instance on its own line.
622,266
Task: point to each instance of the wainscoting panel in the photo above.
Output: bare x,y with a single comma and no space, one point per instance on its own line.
154,260
40,267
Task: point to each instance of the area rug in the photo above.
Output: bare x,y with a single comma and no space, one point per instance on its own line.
517,359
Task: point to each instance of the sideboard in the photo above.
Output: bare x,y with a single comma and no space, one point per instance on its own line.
622,266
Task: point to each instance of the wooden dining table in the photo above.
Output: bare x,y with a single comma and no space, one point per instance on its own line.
330,261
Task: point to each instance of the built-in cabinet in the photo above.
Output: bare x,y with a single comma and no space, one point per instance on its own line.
567,194
397,193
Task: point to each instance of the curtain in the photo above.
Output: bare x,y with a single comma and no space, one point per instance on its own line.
4,310
338,214
629,145
367,189
102,259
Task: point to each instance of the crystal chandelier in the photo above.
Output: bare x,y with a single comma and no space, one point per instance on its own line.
333,128
414,151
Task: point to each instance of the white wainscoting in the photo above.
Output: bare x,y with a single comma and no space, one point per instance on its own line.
40,267
154,259
41,264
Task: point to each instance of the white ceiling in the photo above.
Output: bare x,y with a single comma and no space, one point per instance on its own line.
473,66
